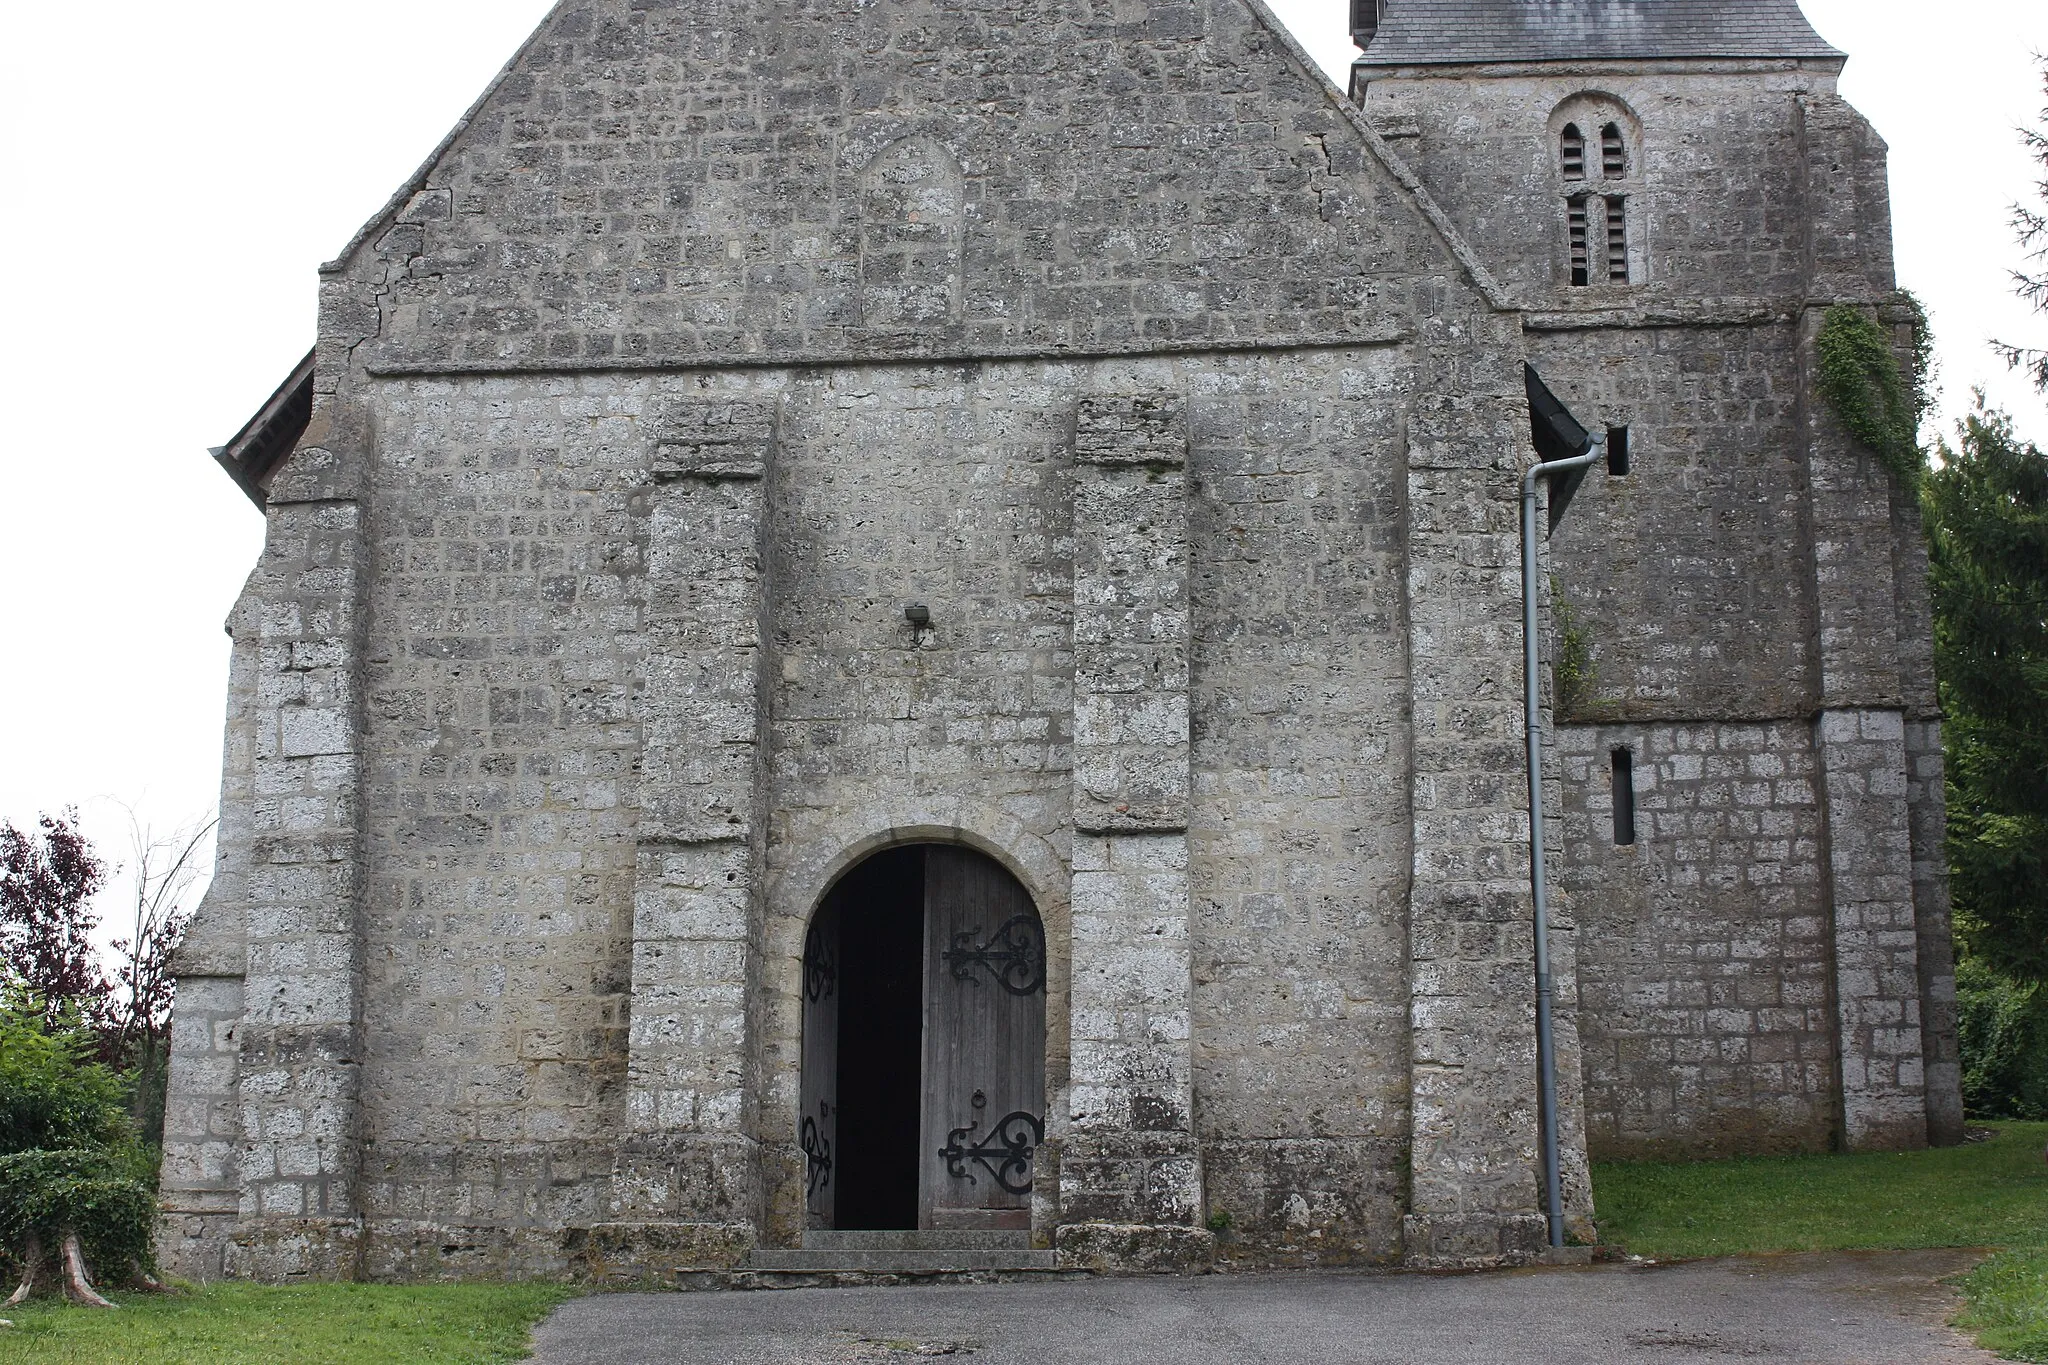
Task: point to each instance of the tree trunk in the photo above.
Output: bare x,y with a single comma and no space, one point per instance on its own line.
31,1257
77,1287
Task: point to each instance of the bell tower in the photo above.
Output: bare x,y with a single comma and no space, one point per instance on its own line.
1675,197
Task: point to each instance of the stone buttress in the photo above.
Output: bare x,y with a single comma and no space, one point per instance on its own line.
267,1045
1131,1177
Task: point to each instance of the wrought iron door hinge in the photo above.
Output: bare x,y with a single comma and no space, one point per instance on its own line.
817,1155
1005,1153
821,973
1014,955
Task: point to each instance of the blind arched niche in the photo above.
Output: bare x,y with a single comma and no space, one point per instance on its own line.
912,206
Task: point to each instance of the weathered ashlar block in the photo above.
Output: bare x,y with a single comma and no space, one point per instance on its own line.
1083,446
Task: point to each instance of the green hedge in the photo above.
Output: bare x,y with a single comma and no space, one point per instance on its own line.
96,1192
69,1159
2003,1030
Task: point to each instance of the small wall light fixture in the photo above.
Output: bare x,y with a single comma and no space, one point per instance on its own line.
918,614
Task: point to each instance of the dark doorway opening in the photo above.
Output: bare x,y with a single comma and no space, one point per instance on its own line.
923,1085
880,907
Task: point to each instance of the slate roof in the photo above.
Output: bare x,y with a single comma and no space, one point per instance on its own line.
1436,31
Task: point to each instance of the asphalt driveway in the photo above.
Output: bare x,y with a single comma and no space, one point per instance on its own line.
1833,1308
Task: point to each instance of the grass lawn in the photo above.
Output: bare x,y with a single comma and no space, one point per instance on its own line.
2008,1307
334,1324
1992,1193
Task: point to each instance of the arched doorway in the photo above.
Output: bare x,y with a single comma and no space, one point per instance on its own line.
924,1045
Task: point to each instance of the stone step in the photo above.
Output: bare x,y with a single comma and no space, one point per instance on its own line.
918,1239
898,1262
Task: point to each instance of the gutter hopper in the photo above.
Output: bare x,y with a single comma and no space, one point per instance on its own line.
1557,436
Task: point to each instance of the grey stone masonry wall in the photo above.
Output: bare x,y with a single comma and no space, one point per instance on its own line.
1862,765
200,1181
1845,192
1131,615
1575,1174
1474,1182
1863,675
948,486
300,1044
1927,819
690,1160
1131,1180
1688,577
780,227
660,183
1873,642
510,804
505,724
1927,814
1721,168
200,1184
1299,845
961,731
577,668
1856,598
1704,973
1751,571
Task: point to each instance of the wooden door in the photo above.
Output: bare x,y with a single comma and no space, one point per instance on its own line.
818,1127
983,1111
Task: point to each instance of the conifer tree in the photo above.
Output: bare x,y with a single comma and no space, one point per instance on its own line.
2030,222
1987,520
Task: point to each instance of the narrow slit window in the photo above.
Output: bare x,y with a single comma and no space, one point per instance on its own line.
1617,451
1575,219
1617,242
1624,797
1613,154
1572,152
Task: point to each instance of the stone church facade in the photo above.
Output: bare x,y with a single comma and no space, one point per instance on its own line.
901,621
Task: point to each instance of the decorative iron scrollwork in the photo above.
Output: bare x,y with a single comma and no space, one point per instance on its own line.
817,1156
1005,1153
821,972
1014,955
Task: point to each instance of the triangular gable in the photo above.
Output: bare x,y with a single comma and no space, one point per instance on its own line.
662,184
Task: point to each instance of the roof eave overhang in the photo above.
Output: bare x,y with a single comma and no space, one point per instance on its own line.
1368,67
266,438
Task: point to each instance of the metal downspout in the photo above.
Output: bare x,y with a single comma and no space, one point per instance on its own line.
1546,1052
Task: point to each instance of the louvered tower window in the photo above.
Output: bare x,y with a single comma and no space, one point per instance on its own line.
1600,174
1575,217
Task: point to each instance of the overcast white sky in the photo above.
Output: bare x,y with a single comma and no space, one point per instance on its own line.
180,167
